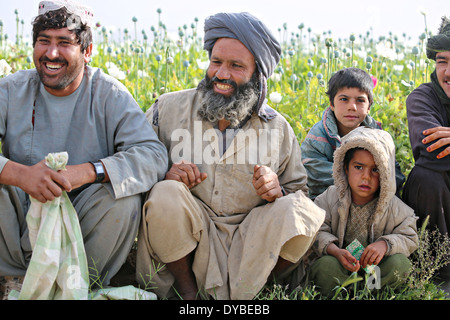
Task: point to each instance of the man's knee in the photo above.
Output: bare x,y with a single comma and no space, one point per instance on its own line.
128,206
166,200
96,206
165,190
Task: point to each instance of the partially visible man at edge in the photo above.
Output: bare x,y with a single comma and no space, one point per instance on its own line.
427,189
65,105
224,223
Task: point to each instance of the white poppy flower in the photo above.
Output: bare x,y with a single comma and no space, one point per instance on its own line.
275,97
5,69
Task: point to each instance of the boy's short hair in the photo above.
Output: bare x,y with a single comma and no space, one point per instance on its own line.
349,156
57,19
350,78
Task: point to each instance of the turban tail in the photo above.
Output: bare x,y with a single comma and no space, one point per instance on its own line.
251,32
441,41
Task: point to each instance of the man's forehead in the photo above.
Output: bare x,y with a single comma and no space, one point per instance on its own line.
232,45
62,33
443,55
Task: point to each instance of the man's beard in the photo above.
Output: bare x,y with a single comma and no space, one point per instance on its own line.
64,80
235,108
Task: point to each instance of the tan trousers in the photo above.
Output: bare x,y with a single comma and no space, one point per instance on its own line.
234,255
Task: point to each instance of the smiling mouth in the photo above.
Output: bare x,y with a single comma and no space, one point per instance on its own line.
53,66
223,86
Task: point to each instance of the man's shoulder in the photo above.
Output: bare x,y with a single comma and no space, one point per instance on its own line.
176,95
105,82
424,90
177,99
21,77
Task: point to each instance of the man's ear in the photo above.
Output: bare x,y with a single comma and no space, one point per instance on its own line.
88,54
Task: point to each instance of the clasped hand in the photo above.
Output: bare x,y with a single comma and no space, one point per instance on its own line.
371,255
45,184
264,180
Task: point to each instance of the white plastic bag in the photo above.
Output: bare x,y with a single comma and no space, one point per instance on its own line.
58,266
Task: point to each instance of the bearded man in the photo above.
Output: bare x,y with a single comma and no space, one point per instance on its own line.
65,105
233,211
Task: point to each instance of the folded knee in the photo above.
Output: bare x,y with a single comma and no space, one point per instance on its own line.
166,198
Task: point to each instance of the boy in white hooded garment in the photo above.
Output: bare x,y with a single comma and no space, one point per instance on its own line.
362,205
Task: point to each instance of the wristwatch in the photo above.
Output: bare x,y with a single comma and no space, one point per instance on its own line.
99,171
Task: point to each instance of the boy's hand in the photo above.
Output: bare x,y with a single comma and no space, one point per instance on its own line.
346,259
373,253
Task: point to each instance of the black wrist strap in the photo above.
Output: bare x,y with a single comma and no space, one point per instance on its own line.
99,171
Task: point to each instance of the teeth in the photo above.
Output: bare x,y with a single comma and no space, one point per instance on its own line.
223,86
53,66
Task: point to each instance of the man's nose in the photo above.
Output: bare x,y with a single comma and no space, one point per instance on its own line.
223,73
52,51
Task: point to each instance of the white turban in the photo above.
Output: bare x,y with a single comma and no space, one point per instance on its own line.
85,13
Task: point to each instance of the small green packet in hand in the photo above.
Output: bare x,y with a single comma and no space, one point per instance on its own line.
356,249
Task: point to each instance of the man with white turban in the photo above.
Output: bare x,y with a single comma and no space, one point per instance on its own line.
65,105
233,211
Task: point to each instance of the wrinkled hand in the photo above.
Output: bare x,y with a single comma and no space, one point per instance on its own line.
442,137
266,183
187,173
373,253
43,183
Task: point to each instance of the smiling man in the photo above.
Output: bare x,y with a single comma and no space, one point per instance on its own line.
427,189
65,105
232,212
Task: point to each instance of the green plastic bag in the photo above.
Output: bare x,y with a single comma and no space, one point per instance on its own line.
58,267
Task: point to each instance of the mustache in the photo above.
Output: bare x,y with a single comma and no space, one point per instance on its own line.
59,60
225,81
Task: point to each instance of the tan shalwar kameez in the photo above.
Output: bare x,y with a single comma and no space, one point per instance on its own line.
236,235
